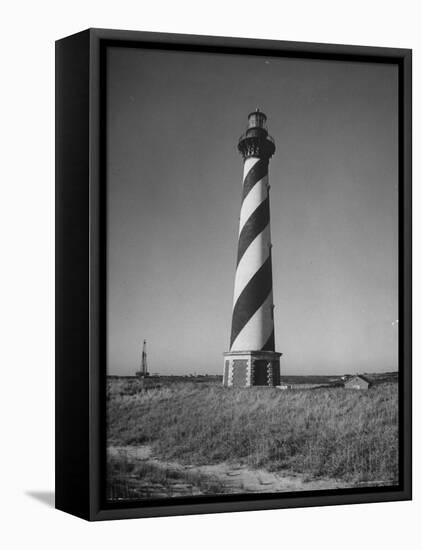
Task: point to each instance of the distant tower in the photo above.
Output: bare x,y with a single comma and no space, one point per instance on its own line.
144,366
252,360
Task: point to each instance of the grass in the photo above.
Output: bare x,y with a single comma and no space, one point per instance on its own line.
329,432
127,479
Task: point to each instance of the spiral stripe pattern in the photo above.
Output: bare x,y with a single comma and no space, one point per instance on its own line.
252,318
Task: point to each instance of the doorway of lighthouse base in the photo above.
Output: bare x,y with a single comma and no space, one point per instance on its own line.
265,373
261,372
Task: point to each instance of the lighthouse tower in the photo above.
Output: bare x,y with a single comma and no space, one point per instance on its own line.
252,359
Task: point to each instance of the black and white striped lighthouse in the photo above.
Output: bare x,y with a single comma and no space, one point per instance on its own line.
252,359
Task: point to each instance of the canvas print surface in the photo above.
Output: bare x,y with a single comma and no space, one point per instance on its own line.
252,264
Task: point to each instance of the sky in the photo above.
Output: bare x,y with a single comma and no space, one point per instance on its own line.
174,181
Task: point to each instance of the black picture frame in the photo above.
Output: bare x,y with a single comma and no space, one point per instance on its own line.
81,267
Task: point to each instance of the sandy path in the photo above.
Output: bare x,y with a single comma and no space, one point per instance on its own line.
236,478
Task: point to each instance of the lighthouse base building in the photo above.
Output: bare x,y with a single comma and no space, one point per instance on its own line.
252,359
251,368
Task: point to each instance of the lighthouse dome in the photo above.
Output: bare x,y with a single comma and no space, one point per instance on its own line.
257,119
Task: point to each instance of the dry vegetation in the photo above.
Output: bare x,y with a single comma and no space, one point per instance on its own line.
329,432
136,480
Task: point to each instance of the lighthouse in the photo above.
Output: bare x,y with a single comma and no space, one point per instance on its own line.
252,359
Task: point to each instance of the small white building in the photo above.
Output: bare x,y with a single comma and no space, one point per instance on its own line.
358,382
